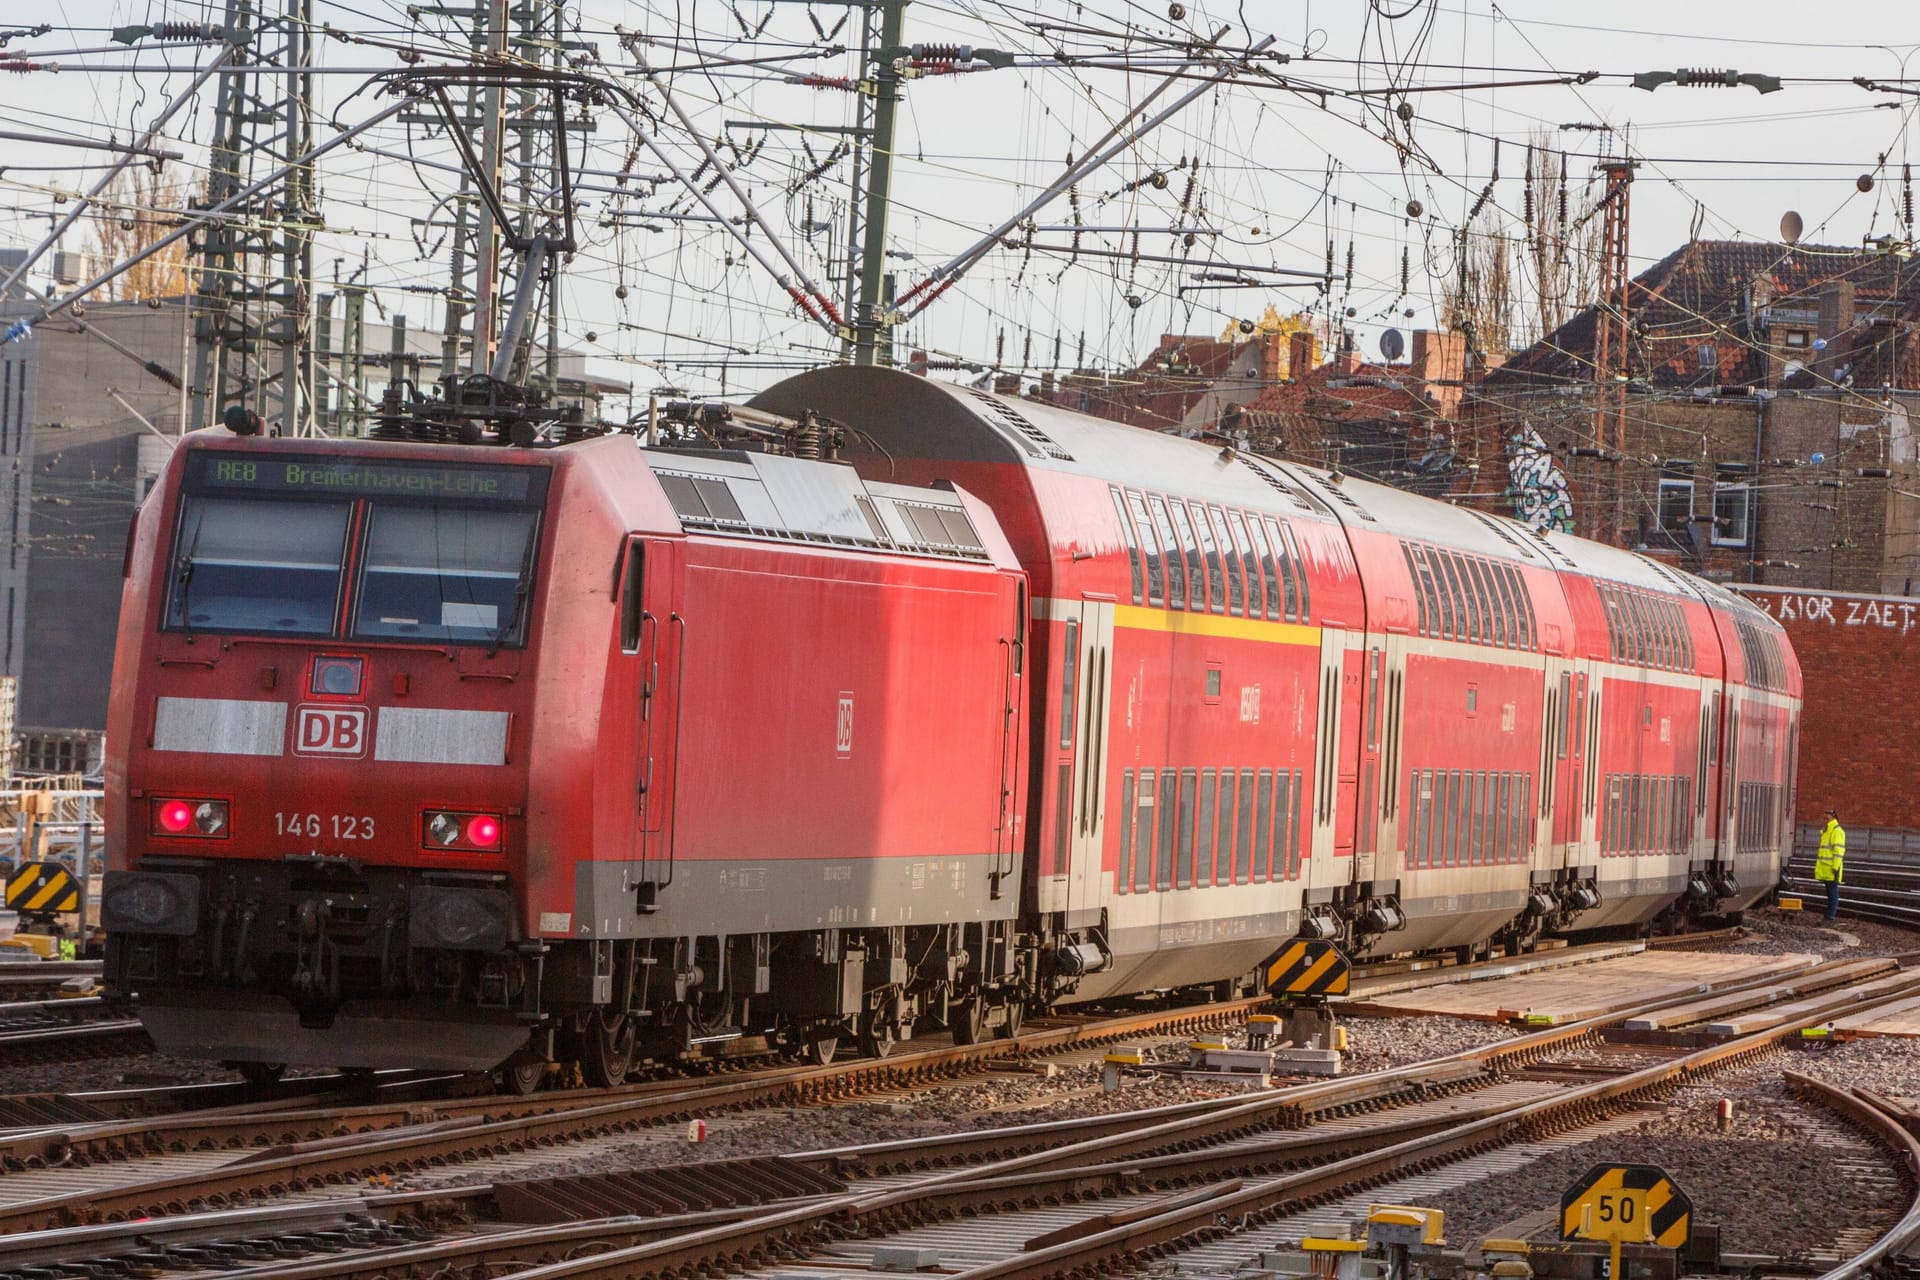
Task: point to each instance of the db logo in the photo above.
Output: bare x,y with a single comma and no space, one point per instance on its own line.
330,731
843,728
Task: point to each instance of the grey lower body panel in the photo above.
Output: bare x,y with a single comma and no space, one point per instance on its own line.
1187,954
1633,901
1452,920
790,895
230,1026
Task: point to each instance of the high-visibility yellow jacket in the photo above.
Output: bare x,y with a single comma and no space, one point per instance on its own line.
1833,852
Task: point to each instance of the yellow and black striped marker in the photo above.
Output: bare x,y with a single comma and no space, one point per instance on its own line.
1309,967
1626,1204
42,886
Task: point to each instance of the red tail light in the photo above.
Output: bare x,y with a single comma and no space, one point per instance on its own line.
455,831
199,818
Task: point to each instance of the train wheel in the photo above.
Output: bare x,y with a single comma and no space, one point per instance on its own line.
876,1035
820,1052
260,1072
967,1019
1016,1014
606,1049
519,1081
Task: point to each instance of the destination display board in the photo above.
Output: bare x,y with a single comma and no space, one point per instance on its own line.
270,474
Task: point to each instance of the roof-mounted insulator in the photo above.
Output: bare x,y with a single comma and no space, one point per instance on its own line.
22,66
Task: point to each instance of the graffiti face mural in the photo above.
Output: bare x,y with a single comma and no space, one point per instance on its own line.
1536,482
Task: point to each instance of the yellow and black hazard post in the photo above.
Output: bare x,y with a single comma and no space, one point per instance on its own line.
42,889
1626,1204
1302,976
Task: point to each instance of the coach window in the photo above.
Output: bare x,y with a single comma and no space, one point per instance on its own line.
1236,588
1184,829
1229,819
1501,588
1262,825
1132,540
1203,854
1430,621
1286,566
1248,561
1456,596
1124,879
1143,838
1268,571
1243,838
1497,605
1300,571
1069,673
1210,553
1561,726
1163,526
1149,546
1169,815
1196,597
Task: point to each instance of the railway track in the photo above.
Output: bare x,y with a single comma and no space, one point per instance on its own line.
58,1030
1131,1184
40,979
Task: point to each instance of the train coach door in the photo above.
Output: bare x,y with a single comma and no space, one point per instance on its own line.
1082,691
1336,779
654,631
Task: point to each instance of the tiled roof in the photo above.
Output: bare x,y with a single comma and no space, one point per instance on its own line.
1702,296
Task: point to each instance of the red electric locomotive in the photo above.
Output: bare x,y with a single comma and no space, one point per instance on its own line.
446,755
452,756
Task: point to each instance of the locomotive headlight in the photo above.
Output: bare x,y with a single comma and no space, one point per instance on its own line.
465,831
190,817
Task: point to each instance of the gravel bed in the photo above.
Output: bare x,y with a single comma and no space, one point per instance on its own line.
1890,1064
125,1071
1771,1182
1771,933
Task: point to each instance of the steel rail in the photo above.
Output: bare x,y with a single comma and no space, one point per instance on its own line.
1201,1213
1882,1119
438,1140
1112,1155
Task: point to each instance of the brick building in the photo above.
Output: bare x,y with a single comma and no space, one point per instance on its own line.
1390,422
1187,383
1860,657
1765,435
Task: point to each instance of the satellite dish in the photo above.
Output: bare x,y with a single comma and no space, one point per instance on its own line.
1791,227
1392,343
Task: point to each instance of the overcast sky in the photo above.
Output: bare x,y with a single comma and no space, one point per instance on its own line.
1282,169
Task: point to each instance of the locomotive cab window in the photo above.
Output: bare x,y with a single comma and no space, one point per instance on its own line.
258,566
444,553
445,573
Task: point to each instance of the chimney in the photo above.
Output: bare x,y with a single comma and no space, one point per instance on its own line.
1836,318
1439,364
1299,355
1270,361
1349,359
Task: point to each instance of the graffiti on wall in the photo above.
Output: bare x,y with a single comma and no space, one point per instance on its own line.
1901,616
1537,483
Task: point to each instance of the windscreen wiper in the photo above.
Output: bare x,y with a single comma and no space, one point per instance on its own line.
522,587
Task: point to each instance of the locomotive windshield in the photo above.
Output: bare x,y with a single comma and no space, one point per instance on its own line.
350,548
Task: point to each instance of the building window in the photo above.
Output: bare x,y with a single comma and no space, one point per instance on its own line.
1709,356
1796,337
1732,509
1676,503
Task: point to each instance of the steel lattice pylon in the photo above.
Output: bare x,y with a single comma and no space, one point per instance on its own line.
252,270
